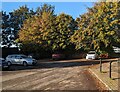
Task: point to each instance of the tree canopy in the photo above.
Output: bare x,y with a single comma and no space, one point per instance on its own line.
12,23
47,30
98,28
65,27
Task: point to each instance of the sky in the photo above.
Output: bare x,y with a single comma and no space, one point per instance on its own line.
72,8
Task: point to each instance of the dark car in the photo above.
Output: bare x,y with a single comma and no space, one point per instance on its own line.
3,64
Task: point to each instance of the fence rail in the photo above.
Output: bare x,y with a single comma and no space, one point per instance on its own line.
114,66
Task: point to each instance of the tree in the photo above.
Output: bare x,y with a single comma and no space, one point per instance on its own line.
12,23
65,27
48,31
37,29
17,18
6,31
98,28
81,37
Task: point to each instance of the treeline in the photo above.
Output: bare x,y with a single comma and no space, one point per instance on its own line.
43,31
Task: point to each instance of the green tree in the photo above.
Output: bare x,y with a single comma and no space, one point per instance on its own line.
7,37
12,23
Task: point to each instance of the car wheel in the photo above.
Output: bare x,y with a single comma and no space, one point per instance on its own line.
24,63
7,68
9,63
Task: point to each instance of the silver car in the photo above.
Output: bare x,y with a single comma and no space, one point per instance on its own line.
20,59
3,64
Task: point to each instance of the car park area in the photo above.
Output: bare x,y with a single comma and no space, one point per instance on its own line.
51,75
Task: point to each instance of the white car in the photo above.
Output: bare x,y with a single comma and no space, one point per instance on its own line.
91,55
20,59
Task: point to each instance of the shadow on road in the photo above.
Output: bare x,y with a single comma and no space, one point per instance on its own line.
55,64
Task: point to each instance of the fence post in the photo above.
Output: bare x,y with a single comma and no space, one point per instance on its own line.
119,72
119,67
110,69
100,64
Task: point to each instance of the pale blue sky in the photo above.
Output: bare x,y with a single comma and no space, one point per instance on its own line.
72,8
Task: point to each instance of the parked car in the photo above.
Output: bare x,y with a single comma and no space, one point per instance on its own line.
3,64
104,55
91,55
20,59
57,56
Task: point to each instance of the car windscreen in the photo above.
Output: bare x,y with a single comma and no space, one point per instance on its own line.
91,53
24,56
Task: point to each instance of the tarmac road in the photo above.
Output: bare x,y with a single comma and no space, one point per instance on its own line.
51,75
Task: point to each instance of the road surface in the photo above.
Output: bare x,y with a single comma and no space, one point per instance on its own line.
51,75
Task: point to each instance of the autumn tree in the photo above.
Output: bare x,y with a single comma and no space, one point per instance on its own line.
18,16
65,27
36,30
47,31
98,28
